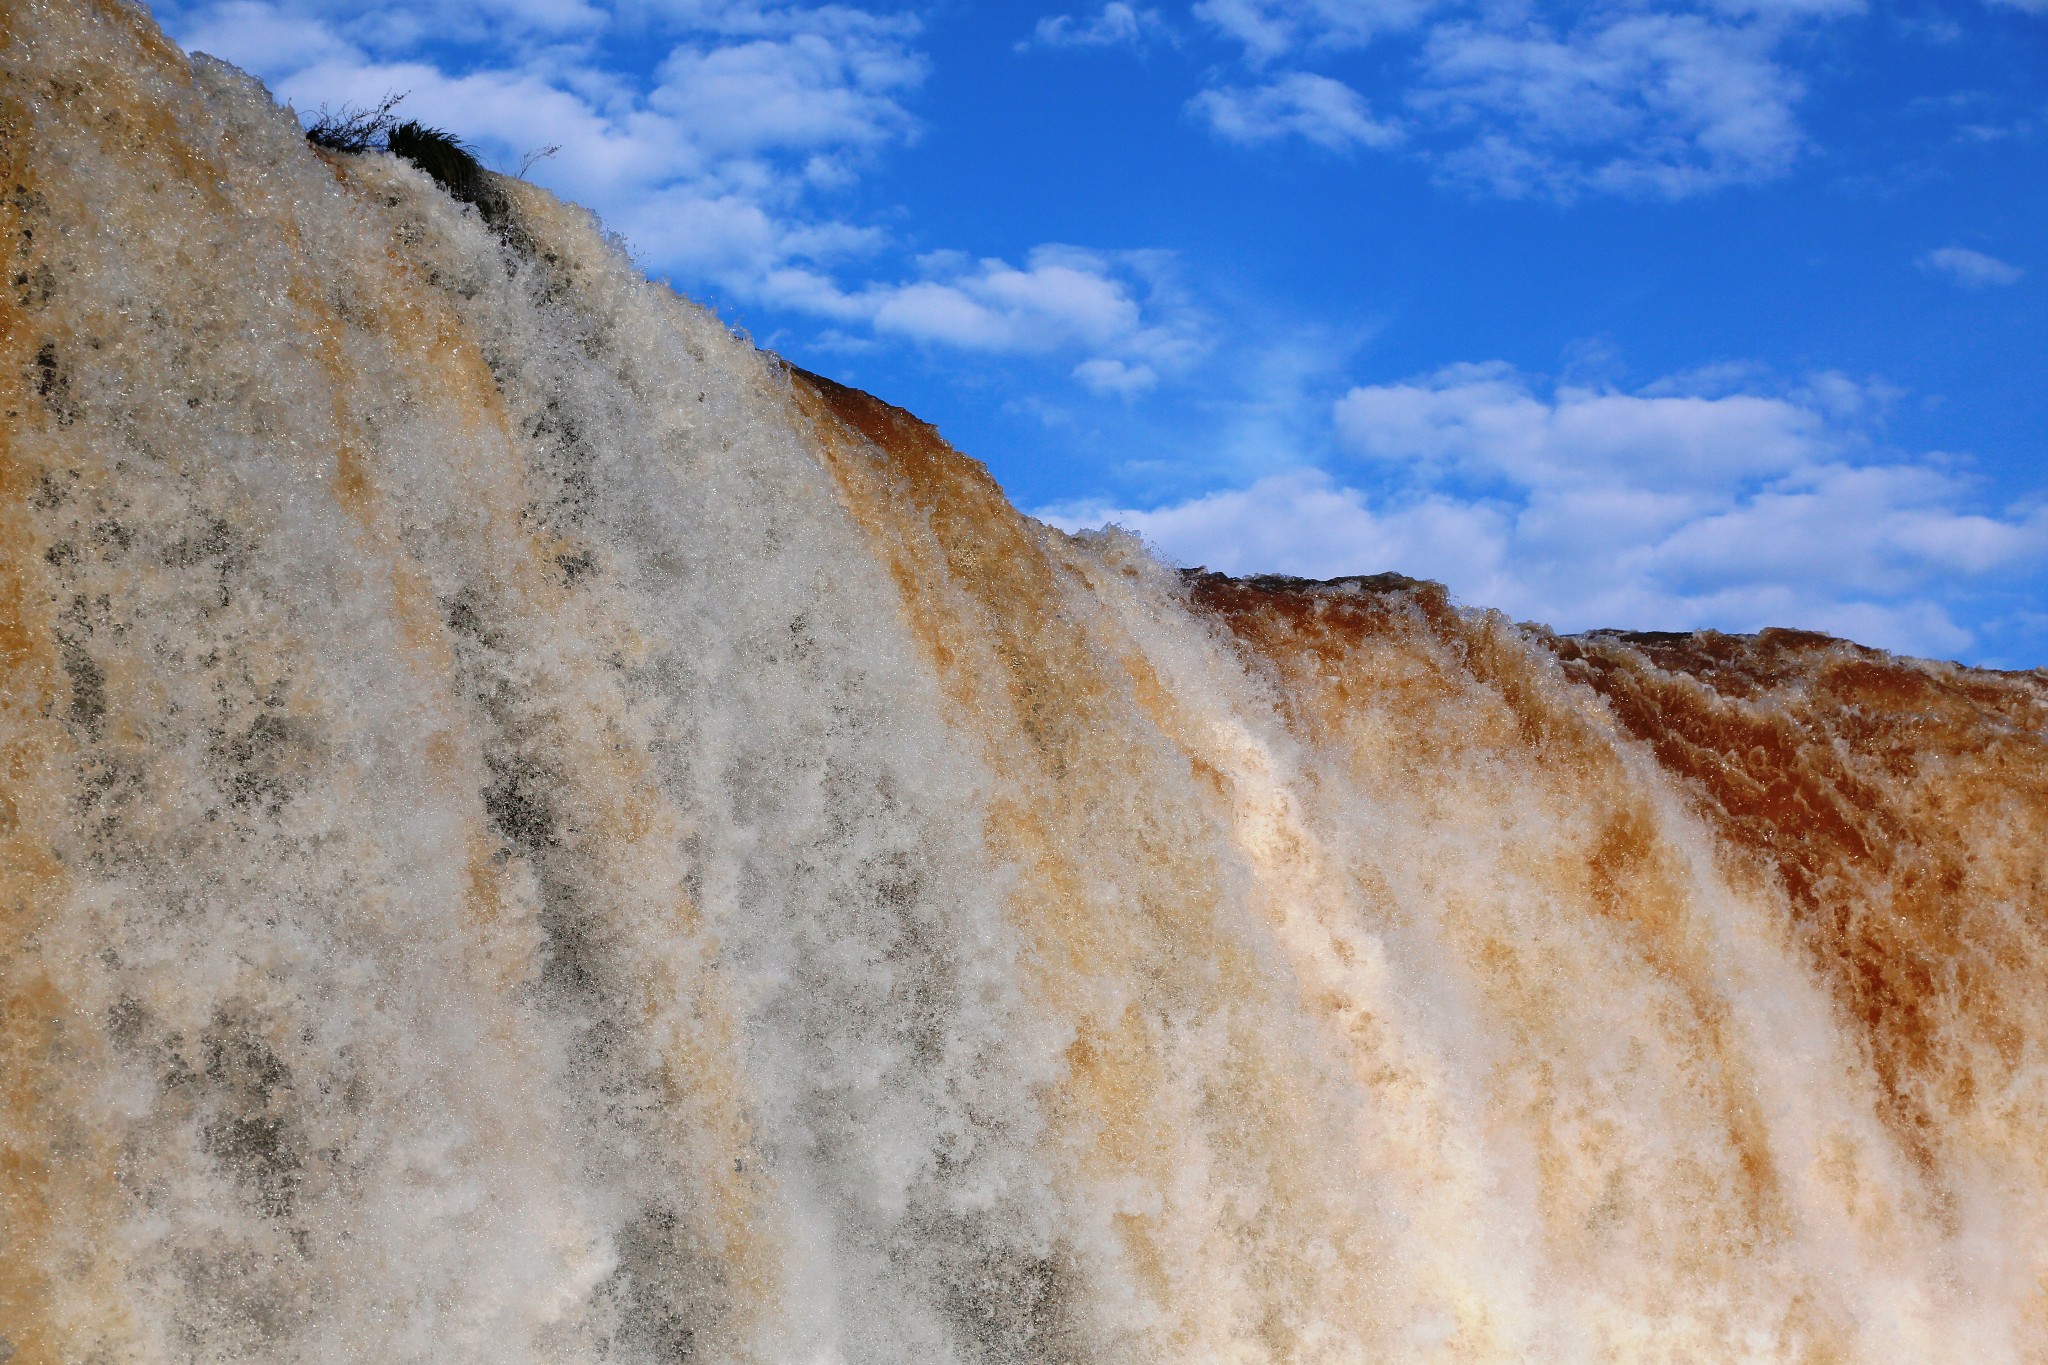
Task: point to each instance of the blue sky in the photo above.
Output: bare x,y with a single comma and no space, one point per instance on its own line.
1645,314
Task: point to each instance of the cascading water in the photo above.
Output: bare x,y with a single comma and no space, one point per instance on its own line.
530,830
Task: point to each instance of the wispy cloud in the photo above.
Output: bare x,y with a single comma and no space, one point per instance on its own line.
1668,104
1682,504
1271,30
1302,104
754,105
1970,269
721,159
1660,99
1124,310
1117,24
1106,376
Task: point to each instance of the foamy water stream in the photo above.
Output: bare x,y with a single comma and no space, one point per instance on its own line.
531,831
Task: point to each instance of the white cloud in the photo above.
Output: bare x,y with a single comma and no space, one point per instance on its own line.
1303,522
1119,307
1118,25
761,102
1116,378
254,34
1582,508
757,18
1315,108
714,167
806,91
1270,29
390,29
1060,295
1668,104
1970,269
1664,98
1483,421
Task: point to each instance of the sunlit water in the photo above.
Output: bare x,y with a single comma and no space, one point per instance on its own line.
530,831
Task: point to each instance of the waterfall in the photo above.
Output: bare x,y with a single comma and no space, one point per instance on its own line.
531,830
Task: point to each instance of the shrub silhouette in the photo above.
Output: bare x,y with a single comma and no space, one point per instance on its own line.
442,155
353,130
